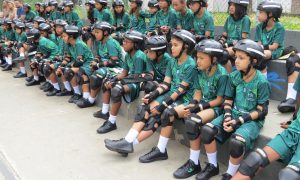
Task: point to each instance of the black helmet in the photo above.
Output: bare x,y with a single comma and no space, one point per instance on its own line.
210,47
104,26
134,36
168,1
43,5
26,5
153,3
39,19
72,31
53,3
244,3
7,21
271,7
60,22
187,37
103,2
33,34
203,3
90,2
38,4
156,43
250,47
29,25
118,3
60,7
20,25
15,21
44,27
69,3
138,2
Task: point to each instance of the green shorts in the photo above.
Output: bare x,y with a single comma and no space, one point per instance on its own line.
249,131
287,145
134,92
277,53
86,70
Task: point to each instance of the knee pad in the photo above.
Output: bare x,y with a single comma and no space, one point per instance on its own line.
69,74
166,117
149,86
290,64
236,146
47,70
254,160
41,66
96,81
117,93
141,111
192,126
291,172
208,133
150,125
224,59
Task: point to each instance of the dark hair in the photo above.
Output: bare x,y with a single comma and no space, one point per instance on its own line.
90,15
240,12
116,15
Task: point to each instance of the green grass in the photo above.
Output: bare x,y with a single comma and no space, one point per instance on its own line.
290,22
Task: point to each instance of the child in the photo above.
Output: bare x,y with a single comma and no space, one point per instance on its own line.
54,14
136,16
90,8
29,14
121,19
185,16
166,17
101,13
153,9
37,21
245,108
70,16
210,87
8,37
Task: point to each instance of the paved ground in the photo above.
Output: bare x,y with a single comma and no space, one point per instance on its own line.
48,138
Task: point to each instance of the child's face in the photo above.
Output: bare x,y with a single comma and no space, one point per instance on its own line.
151,55
242,60
65,37
194,6
98,34
177,45
152,10
44,33
35,24
118,9
98,6
163,4
18,30
177,5
231,8
59,30
128,45
133,5
262,16
67,9
48,8
203,61
42,9
37,7
26,10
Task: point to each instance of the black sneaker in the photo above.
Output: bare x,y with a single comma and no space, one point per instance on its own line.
8,67
287,105
74,98
4,65
33,82
153,155
48,87
99,114
187,170
84,103
29,78
209,171
120,146
64,93
20,75
226,176
53,92
42,86
106,127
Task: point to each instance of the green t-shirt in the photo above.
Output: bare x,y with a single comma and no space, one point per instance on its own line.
179,73
122,20
235,29
151,26
168,18
104,15
186,21
275,35
48,48
212,86
160,68
62,47
30,16
1,32
111,48
297,84
137,23
203,24
9,35
247,95
72,18
21,38
81,49
135,64
54,15
295,125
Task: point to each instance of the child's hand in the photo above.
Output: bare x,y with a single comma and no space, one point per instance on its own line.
145,99
227,126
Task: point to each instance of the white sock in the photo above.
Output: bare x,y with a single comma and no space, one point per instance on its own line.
232,169
76,90
22,54
265,74
91,99
86,95
131,135
135,141
194,156
9,60
36,77
112,119
105,108
22,69
67,86
212,158
162,144
291,92
56,86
